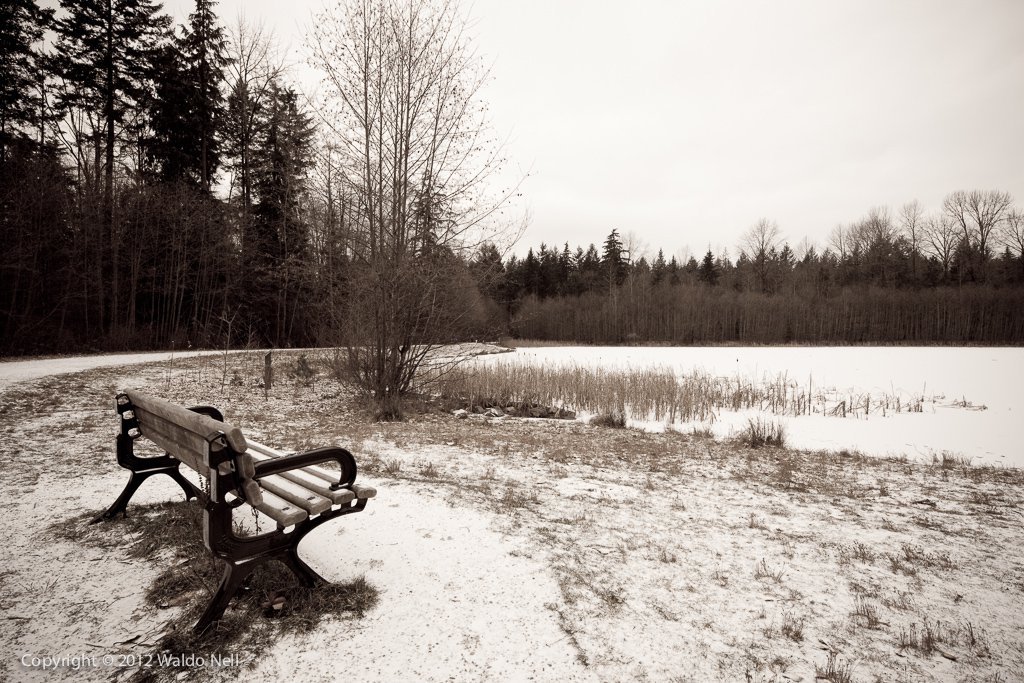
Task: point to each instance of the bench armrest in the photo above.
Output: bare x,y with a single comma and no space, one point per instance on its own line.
345,461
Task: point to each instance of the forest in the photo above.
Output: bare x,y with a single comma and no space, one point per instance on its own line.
169,186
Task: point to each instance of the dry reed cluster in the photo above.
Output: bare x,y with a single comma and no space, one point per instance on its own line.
654,393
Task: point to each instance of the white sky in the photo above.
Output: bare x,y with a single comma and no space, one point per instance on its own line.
685,121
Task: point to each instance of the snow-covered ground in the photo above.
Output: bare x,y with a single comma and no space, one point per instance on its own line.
989,380
520,549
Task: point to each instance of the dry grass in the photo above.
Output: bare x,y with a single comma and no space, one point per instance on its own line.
654,393
835,670
615,419
760,433
272,603
614,530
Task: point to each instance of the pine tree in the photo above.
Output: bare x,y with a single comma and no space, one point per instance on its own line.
708,271
280,247
21,75
103,57
204,48
104,53
659,269
187,113
170,146
611,259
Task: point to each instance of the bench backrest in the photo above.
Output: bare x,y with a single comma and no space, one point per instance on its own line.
182,432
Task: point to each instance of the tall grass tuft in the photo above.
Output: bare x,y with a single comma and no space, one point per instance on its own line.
763,433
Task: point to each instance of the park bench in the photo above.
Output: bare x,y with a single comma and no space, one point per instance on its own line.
290,489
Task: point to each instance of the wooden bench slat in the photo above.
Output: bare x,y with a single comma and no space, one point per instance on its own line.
265,450
280,510
315,484
200,424
309,501
327,475
321,473
363,491
182,444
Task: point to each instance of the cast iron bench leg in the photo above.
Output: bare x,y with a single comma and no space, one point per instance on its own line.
121,504
234,575
303,572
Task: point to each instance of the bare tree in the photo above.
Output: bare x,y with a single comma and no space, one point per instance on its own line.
912,226
1013,232
988,210
877,226
634,247
977,214
955,208
757,244
839,240
941,238
403,86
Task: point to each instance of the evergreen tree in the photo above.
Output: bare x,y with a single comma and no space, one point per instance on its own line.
187,113
170,149
708,272
659,269
204,48
280,249
104,52
489,272
673,272
103,56
565,265
611,259
21,75
531,274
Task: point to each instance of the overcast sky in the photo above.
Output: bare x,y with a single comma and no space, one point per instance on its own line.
685,121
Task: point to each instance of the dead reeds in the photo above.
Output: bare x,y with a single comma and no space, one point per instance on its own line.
655,393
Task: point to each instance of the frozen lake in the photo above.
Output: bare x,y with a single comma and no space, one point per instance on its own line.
989,380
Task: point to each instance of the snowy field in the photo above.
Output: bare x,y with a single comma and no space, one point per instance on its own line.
988,380
531,549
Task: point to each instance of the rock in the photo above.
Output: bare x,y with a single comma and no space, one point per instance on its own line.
494,412
477,410
511,411
460,414
564,414
538,412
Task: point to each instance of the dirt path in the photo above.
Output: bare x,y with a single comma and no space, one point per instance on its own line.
12,371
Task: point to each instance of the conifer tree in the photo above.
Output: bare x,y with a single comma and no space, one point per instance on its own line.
708,271
279,250
104,52
187,114
21,27
204,48
103,56
611,259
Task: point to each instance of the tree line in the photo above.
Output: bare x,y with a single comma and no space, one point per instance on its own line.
158,183
952,276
